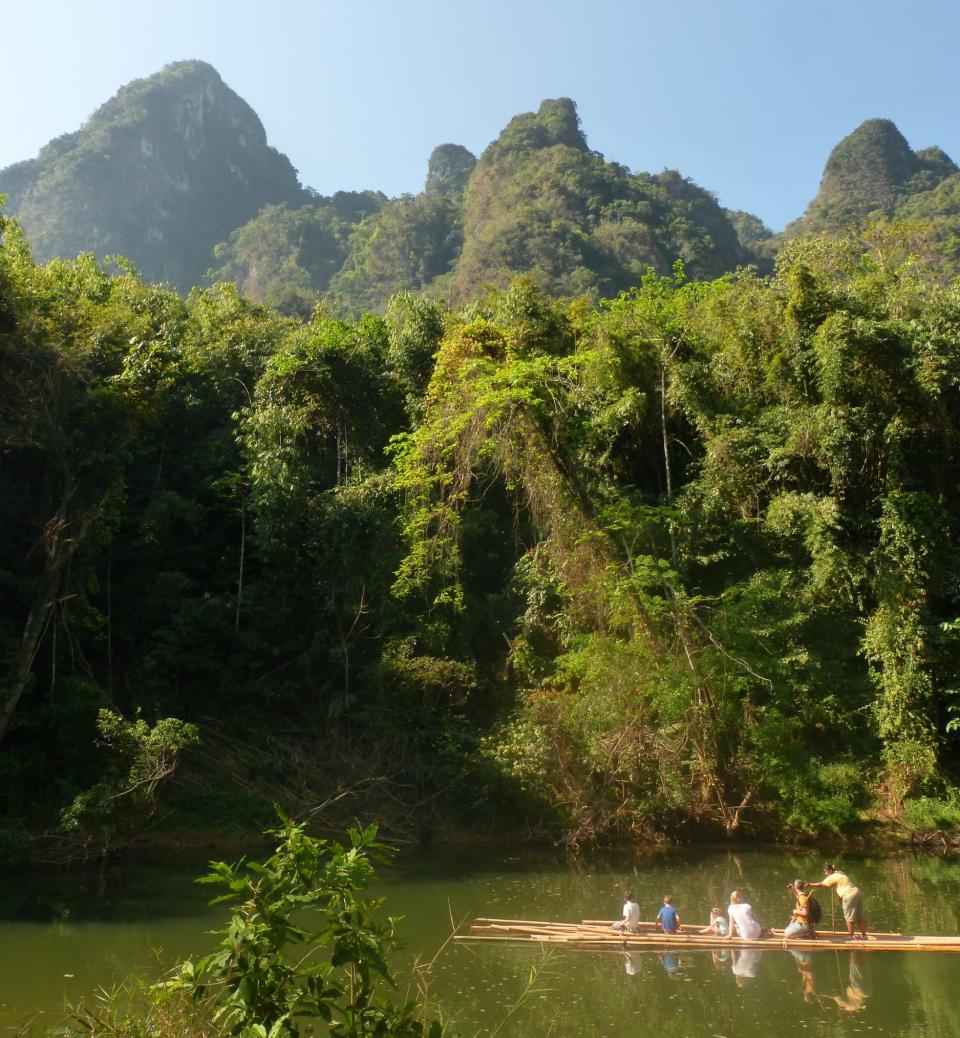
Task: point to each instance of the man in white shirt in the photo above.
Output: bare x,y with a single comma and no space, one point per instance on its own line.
743,923
631,914
851,898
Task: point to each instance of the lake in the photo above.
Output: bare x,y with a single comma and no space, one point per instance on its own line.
63,935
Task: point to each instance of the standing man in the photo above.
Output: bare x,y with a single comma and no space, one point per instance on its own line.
851,898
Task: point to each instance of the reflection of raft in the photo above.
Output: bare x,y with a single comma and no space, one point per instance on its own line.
599,935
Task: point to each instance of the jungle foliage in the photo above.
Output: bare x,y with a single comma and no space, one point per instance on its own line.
681,561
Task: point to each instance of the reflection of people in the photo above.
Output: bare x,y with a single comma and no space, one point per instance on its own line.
805,966
801,921
746,962
850,896
670,962
743,923
717,924
720,958
856,993
629,968
631,914
668,919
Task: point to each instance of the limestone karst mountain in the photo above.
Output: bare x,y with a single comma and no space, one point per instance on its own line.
160,173
540,201
872,170
175,173
537,202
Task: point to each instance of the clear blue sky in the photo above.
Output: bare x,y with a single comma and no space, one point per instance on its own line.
747,97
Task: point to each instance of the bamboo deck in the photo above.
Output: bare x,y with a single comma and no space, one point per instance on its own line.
592,933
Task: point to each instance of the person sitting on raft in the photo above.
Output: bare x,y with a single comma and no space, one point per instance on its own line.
717,924
668,919
743,923
850,896
631,914
801,918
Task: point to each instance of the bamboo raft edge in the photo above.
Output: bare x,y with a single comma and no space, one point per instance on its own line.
591,936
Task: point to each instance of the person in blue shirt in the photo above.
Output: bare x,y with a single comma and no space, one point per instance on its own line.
668,919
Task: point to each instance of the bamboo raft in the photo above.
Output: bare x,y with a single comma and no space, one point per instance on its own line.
598,935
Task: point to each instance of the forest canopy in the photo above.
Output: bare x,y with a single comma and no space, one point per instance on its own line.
679,561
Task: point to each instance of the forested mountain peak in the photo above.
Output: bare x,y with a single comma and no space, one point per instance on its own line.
449,168
872,169
160,173
873,161
188,96
555,122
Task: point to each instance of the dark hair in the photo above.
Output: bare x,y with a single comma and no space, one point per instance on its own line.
667,899
628,896
827,867
799,884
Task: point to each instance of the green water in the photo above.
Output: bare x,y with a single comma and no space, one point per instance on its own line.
63,936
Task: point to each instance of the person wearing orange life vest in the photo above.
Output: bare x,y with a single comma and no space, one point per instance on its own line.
851,898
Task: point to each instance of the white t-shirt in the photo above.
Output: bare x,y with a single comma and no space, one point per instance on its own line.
742,916
631,915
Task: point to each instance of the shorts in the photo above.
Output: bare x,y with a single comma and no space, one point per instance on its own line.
795,929
853,908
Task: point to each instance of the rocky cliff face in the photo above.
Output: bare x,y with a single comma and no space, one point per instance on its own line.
161,173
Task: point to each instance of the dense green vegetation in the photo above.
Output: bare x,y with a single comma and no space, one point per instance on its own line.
680,562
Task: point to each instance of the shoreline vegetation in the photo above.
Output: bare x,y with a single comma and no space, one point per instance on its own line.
680,565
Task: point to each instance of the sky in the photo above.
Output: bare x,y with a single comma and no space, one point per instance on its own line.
746,97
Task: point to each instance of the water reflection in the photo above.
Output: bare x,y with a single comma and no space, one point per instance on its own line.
844,981
746,962
857,991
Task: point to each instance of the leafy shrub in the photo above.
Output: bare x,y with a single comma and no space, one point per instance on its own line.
941,813
302,945
827,800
